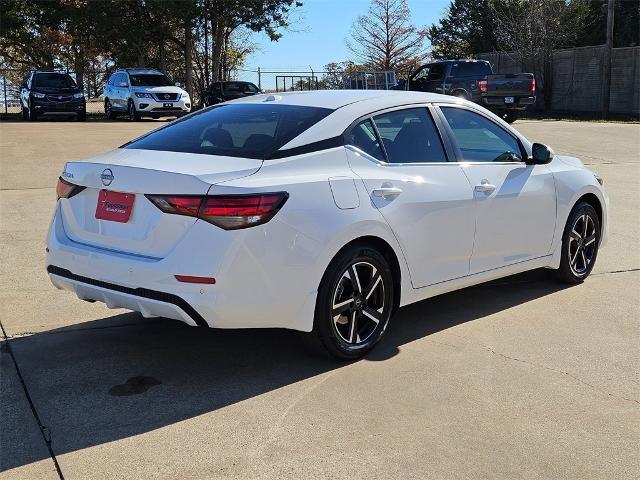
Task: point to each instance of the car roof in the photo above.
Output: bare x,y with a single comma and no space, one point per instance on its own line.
140,71
335,99
49,72
347,106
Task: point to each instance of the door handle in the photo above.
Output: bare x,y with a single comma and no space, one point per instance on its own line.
485,186
385,192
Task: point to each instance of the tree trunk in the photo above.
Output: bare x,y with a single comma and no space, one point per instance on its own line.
206,45
188,56
218,47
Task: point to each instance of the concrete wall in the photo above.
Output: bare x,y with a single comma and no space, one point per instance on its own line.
578,76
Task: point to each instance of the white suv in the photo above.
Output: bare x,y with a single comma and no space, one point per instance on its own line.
144,93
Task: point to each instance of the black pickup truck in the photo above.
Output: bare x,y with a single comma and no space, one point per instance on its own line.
504,94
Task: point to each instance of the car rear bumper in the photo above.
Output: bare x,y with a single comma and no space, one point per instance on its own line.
251,291
519,103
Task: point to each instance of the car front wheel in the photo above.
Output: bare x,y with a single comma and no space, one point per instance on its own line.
134,116
579,244
108,110
354,303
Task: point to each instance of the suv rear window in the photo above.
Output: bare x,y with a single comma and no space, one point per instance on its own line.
470,69
234,130
53,80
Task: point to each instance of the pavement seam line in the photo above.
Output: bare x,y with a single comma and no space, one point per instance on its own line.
494,352
44,430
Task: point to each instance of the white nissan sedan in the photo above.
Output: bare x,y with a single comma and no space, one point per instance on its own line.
321,212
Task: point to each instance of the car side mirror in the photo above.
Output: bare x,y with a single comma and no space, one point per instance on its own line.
178,84
541,154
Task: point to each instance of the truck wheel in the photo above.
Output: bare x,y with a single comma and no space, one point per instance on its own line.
31,113
510,116
25,114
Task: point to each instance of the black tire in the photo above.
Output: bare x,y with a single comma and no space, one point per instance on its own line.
510,116
108,111
132,113
31,114
580,242
81,117
25,113
351,329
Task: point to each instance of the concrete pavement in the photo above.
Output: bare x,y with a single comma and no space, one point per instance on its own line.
522,378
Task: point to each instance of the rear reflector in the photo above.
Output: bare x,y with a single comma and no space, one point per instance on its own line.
65,189
192,279
225,211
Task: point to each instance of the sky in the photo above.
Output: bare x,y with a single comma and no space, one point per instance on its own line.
318,32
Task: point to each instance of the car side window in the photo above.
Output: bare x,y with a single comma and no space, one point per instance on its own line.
422,74
437,71
410,136
479,139
364,137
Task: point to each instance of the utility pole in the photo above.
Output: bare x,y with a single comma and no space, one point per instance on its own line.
606,76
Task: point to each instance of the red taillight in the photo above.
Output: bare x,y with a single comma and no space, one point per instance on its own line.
226,211
483,85
65,189
533,87
178,204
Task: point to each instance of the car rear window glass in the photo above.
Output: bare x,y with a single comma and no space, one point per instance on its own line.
239,87
364,137
53,80
470,69
410,136
234,130
149,80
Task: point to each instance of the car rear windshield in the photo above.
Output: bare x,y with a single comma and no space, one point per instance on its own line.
245,130
149,80
53,80
239,87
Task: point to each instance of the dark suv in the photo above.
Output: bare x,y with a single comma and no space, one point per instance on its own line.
51,93
222,91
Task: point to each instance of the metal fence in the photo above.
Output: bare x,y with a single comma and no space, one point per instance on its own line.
578,76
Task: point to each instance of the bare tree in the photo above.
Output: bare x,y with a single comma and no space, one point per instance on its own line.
385,38
532,29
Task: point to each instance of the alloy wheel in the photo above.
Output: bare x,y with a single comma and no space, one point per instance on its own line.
582,244
358,303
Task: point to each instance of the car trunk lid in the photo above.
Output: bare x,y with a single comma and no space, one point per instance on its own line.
147,231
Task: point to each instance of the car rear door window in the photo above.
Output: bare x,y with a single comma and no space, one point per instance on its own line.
410,136
364,137
479,139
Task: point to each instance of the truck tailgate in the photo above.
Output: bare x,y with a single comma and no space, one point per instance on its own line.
510,85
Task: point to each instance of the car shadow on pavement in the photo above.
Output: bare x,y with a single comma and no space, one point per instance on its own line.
122,376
